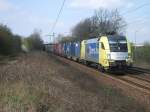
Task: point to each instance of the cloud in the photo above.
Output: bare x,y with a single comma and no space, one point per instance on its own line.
5,6
94,4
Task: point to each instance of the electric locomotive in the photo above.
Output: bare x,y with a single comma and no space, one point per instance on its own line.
108,52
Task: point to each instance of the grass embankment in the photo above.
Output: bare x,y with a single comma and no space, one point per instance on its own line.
41,83
141,56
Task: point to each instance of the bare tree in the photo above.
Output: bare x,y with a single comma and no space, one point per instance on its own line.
34,41
82,30
102,22
67,38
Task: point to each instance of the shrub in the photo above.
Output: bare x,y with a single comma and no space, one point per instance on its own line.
9,43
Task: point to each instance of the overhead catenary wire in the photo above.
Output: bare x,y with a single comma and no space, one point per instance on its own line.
124,13
140,21
135,9
58,16
62,6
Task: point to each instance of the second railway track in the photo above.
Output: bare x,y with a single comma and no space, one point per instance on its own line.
141,77
130,86
135,81
140,70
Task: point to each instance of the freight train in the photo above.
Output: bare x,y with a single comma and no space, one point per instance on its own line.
106,52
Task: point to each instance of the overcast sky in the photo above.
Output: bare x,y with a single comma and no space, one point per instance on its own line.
23,16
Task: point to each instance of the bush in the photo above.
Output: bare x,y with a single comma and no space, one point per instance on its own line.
34,42
9,43
142,54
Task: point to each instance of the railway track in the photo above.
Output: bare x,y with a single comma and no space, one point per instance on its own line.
140,70
139,82
140,74
141,78
135,77
131,85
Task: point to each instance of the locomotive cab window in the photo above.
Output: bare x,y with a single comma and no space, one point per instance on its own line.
118,44
102,46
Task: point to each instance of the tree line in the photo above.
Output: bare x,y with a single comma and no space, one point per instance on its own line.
11,44
103,22
33,42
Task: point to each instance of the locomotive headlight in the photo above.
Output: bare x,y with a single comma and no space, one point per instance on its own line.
109,58
129,58
129,55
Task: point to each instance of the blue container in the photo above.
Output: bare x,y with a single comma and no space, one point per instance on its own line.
64,49
75,50
72,49
68,49
92,50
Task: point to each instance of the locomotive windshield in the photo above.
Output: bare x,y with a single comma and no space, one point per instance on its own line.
117,44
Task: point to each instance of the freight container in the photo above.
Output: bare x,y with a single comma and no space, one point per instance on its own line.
68,50
75,50
56,50
72,50
59,49
49,48
64,49
92,50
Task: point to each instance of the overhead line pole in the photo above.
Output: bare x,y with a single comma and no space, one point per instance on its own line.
51,37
